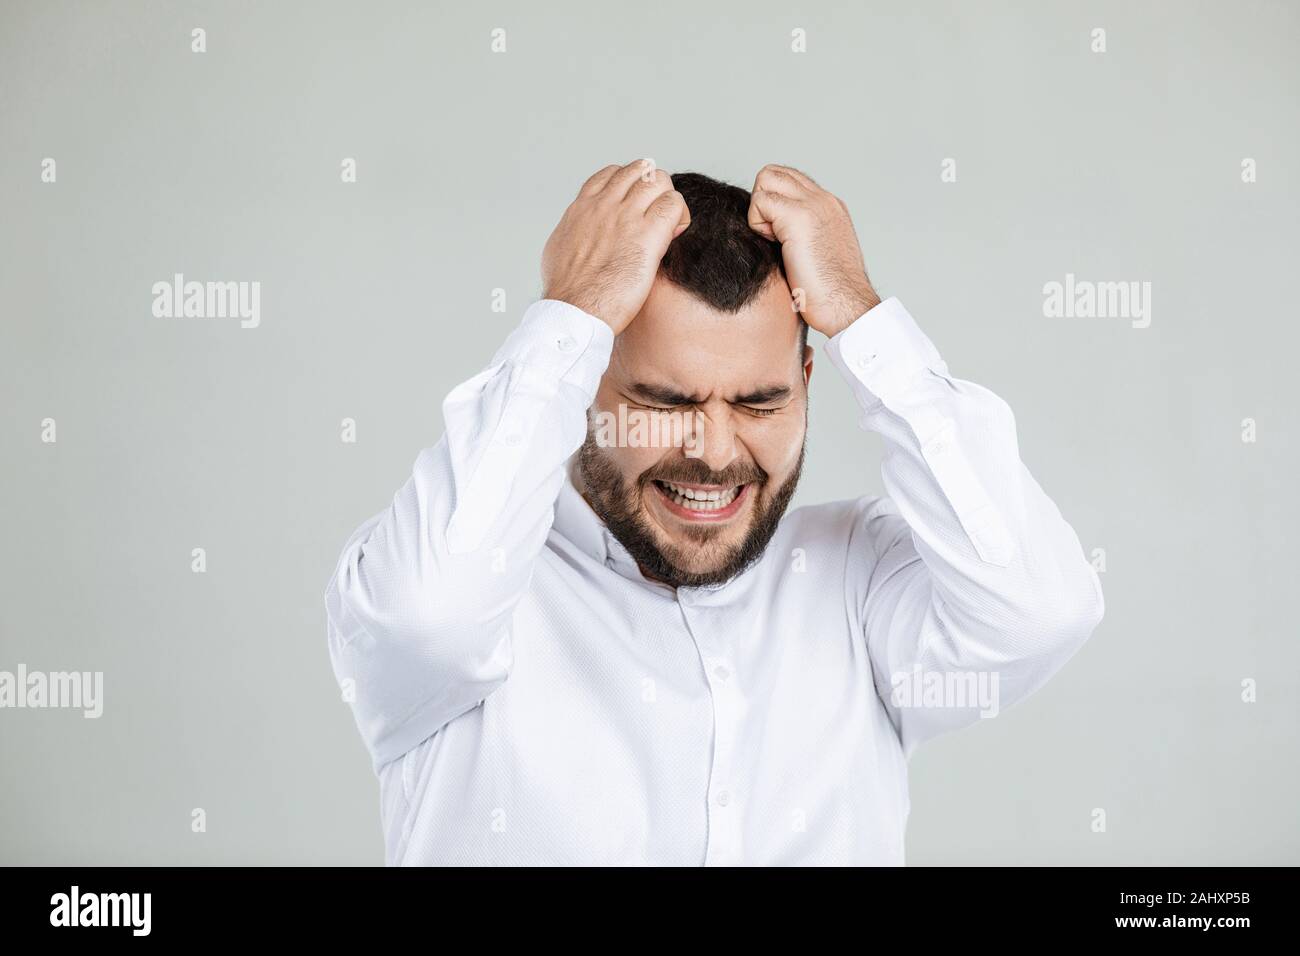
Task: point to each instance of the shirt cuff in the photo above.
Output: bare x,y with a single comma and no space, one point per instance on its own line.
560,339
882,352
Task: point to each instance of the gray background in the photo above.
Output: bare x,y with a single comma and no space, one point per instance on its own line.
175,434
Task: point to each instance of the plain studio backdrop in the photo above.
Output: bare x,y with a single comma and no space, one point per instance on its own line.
173,434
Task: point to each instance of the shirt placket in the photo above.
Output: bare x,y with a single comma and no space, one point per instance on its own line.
725,798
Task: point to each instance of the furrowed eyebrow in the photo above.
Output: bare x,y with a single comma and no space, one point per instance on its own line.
764,396
661,394
667,395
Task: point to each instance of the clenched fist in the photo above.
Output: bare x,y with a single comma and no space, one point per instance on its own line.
819,247
604,254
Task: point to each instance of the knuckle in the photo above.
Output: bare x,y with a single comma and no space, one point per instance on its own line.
663,210
599,174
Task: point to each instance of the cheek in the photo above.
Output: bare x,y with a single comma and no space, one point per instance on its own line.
775,445
631,463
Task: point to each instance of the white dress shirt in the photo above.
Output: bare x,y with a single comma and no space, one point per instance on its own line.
527,697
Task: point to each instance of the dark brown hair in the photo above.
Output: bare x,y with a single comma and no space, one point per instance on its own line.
719,259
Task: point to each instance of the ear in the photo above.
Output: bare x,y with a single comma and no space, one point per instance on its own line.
807,364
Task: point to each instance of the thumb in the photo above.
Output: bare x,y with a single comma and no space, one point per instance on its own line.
762,213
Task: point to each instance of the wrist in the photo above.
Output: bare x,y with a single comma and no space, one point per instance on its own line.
856,305
582,302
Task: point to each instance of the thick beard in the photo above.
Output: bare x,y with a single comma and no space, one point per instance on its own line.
619,506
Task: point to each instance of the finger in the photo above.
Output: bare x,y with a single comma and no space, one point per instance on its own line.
643,192
771,180
763,203
774,179
758,221
598,180
626,177
683,220
759,224
764,208
668,215
769,213
789,172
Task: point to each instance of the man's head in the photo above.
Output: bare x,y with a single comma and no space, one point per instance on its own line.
697,432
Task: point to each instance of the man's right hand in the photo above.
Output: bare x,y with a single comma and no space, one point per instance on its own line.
604,254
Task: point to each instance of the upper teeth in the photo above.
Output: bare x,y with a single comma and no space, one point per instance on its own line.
702,499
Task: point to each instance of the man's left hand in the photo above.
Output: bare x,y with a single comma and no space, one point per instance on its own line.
819,247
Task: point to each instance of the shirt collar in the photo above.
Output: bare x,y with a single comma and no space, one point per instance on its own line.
575,520
581,526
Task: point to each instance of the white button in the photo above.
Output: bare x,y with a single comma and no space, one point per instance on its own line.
724,797
721,672
566,344
939,448
865,360
513,439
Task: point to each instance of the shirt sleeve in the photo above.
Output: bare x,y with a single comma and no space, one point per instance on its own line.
976,590
419,607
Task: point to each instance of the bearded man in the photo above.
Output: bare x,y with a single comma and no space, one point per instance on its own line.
567,649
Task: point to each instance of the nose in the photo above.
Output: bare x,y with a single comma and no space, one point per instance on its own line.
713,438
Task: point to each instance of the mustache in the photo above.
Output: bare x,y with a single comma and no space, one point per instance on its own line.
694,471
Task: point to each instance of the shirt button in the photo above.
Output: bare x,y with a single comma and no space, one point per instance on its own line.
721,672
566,344
724,797
513,439
865,361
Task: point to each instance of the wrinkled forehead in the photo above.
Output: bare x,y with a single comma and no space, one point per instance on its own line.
681,341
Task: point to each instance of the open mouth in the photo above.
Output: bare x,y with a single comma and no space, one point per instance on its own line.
701,502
